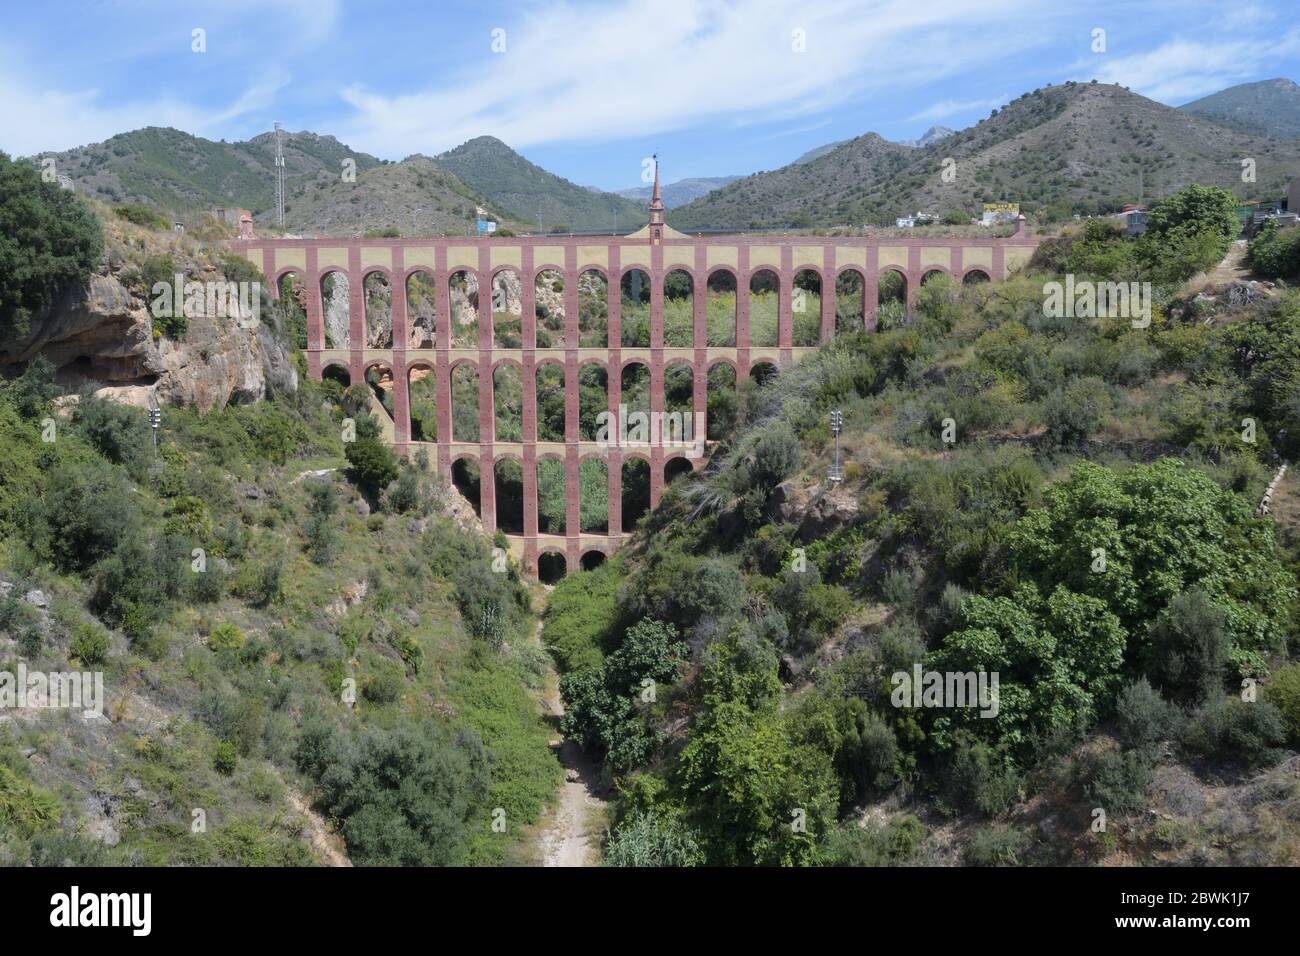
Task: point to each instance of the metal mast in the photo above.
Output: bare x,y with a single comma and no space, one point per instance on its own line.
279,177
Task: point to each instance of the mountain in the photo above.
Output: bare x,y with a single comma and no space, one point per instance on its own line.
1267,108
931,135
182,173
678,193
1074,147
416,197
526,192
819,151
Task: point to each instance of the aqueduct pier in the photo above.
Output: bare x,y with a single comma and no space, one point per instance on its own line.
652,254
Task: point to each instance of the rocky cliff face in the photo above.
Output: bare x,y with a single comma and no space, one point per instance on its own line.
100,332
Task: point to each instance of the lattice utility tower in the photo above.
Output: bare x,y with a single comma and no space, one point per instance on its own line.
279,177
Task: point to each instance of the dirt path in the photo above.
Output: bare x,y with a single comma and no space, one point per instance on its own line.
571,837
1233,268
326,844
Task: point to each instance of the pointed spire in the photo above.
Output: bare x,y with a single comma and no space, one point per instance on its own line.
656,202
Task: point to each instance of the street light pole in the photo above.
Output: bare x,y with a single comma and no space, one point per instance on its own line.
837,423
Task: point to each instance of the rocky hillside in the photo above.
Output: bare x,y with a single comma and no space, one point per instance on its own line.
1076,147
1267,108
182,173
527,192
100,330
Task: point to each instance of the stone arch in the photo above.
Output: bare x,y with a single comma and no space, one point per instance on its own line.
551,566
593,398
722,303
593,494
762,372
463,306
421,309
548,296
552,495
723,402
291,301
850,301
467,480
377,292
507,309
806,308
931,271
422,400
593,309
508,487
378,376
891,298
338,373
550,392
465,401
508,401
679,400
634,390
679,309
975,276
336,308
635,486
592,558
675,467
634,309
764,307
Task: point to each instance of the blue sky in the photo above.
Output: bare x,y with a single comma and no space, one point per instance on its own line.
588,89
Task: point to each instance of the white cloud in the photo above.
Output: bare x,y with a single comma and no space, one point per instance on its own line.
1184,69
636,68
946,108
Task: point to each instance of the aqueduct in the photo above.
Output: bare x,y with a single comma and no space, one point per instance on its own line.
675,309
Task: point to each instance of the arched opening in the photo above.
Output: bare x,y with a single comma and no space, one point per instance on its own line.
761,373
336,380
508,399
421,310
509,495
636,491
380,379
679,309
335,297
806,309
891,300
464,402
548,289
550,402
593,495
422,396
462,291
679,405
635,401
850,302
465,479
723,402
292,304
507,310
975,277
721,298
675,468
764,307
551,498
593,399
593,310
634,310
592,560
933,275
379,310
551,567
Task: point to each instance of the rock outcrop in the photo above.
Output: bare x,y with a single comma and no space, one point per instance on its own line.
99,332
